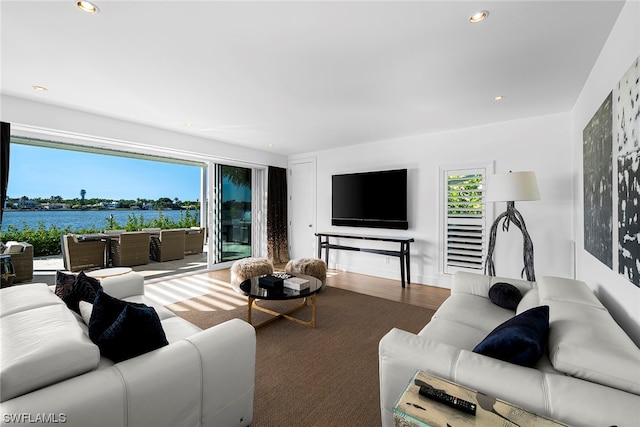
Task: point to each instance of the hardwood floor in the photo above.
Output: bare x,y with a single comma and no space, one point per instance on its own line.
416,294
430,297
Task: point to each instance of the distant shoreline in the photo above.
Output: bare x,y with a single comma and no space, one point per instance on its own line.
76,219
93,209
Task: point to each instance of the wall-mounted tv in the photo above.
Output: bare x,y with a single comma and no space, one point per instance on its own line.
370,199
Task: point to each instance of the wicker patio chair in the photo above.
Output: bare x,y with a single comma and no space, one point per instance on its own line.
168,245
194,241
129,249
22,260
82,255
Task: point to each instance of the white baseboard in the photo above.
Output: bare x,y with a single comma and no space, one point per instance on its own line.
442,281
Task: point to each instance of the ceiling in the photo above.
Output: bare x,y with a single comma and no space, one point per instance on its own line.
300,76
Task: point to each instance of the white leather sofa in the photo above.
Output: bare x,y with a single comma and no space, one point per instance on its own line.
590,375
52,373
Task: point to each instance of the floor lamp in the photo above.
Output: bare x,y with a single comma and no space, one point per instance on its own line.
511,187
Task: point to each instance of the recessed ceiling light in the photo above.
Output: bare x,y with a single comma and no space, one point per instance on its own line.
87,7
479,16
270,145
39,88
498,98
188,125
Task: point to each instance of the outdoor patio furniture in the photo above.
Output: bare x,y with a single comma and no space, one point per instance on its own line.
114,232
194,241
84,254
152,230
22,260
168,245
129,249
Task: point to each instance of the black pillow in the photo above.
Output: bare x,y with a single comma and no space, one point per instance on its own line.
505,295
123,330
84,288
521,340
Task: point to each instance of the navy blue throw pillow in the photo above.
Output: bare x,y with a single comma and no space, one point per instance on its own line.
123,330
84,288
505,295
521,340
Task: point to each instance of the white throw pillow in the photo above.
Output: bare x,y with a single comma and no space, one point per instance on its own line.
86,308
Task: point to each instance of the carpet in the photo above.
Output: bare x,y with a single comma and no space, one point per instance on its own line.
327,376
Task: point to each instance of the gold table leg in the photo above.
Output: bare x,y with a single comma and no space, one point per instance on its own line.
252,303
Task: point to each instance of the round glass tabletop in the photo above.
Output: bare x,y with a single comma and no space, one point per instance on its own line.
253,288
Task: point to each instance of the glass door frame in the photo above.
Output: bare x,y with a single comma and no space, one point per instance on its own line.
258,211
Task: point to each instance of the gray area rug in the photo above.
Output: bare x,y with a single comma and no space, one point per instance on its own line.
327,376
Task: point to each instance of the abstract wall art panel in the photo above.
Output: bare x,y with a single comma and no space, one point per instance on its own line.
628,159
597,139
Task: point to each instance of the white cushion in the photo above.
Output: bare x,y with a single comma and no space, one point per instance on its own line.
584,340
14,248
479,284
86,309
561,289
469,310
42,346
529,300
163,313
453,333
176,328
25,297
123,285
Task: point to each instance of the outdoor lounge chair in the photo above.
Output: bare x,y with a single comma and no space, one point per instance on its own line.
168,245
22,260
82,255
129,249
194,241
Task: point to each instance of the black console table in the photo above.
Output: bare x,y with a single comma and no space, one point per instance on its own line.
403,253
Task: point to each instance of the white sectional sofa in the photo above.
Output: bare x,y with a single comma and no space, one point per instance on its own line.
52,373
589,376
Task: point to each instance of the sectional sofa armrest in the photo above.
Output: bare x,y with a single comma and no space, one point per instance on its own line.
229,370
207,380
123,285
479,284
402,354
96,398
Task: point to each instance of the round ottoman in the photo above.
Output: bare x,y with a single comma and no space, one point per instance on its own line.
247,268
308,267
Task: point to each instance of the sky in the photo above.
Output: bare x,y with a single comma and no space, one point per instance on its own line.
46,172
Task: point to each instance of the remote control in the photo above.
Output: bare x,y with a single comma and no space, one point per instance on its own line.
443,397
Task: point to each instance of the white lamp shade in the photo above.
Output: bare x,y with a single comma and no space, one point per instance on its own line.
512,186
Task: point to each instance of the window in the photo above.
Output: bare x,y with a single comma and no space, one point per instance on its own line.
464,226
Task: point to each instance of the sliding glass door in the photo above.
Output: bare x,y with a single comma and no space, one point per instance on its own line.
234,195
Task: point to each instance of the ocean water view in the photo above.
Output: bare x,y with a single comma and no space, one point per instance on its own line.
79,219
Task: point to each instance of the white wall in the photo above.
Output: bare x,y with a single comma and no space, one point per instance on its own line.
541,144
620,296
18,111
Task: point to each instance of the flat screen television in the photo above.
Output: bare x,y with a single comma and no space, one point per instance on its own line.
370,199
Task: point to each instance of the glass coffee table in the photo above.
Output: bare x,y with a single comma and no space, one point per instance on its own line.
252,289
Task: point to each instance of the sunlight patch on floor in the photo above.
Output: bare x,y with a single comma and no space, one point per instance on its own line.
212,294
